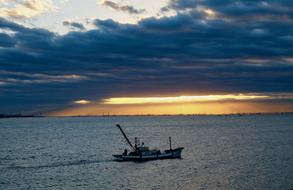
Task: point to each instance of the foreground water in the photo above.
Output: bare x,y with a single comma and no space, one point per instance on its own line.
248,152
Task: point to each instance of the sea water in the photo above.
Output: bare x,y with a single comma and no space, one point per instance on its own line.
220,152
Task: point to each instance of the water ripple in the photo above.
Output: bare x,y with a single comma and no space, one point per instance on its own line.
60,164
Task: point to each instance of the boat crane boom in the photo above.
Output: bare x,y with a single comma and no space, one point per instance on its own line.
126,138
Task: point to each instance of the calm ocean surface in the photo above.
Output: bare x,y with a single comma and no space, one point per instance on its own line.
248,152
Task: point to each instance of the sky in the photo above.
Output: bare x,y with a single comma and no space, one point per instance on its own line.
96,57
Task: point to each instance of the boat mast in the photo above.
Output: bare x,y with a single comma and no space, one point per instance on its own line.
126,137
170,143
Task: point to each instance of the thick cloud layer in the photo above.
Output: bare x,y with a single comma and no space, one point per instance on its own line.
244,47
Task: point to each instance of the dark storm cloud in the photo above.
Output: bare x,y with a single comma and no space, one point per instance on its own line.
6,40
248,10
186,53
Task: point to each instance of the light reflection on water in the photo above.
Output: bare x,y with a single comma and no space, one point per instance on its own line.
248,152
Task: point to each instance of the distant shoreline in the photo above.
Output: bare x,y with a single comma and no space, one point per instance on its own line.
167,115
3,116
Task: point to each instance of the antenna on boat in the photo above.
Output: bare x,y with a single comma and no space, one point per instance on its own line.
170,143
128,141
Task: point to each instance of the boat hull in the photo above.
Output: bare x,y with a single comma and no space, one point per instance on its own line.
169,154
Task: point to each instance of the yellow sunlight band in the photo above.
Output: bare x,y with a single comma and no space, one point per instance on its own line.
181,99
82,102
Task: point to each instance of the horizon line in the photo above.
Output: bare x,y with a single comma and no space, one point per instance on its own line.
146,115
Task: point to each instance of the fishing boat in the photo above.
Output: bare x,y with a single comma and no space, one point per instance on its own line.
143,153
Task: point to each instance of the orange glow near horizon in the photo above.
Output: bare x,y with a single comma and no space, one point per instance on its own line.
174,105
180,99
226,107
